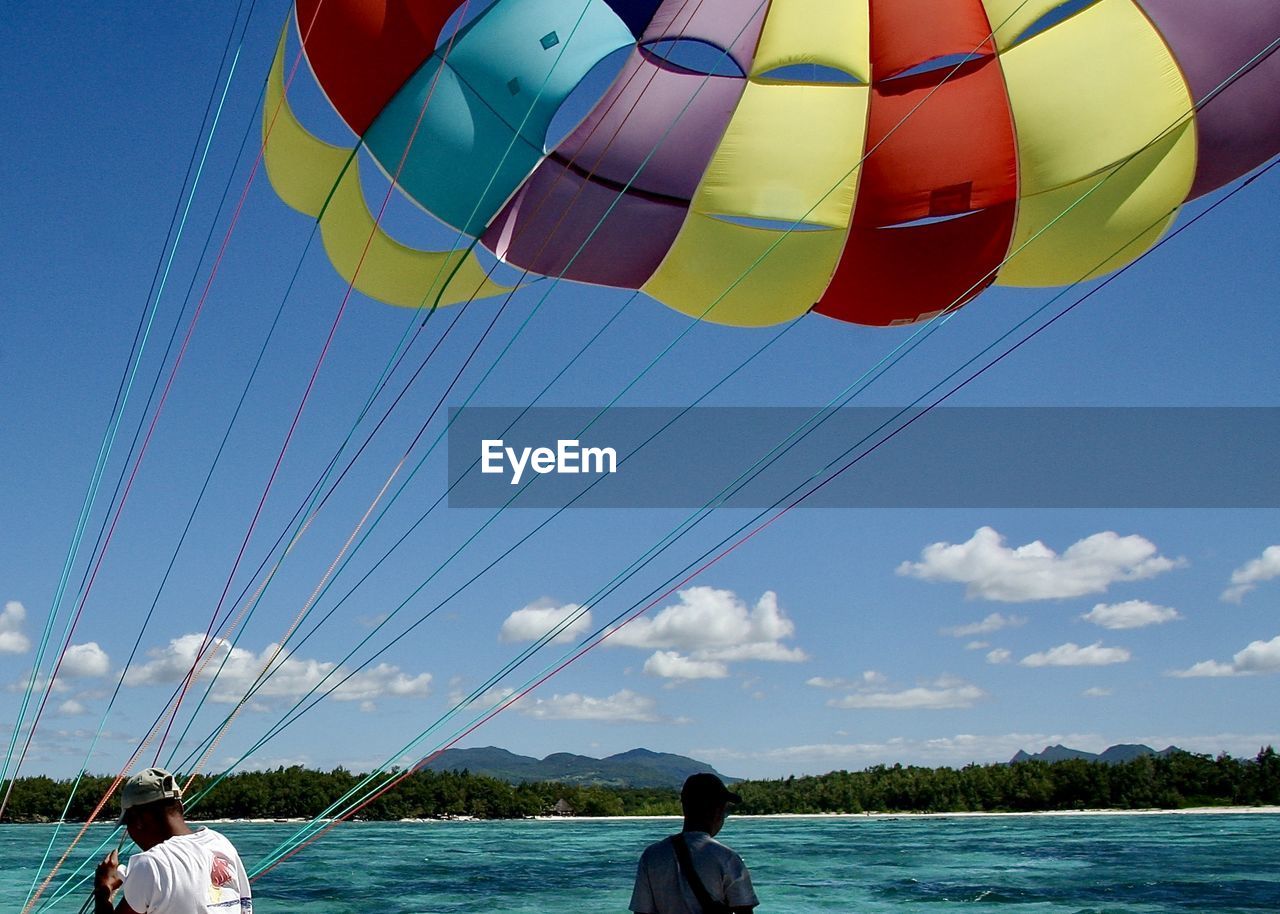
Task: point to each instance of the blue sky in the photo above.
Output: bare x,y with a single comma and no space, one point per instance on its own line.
836,638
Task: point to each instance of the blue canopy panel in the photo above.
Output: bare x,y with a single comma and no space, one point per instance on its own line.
485,111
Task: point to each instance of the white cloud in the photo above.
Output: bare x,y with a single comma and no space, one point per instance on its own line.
292,677
1096,692
1130,614
71,708
977,645
1257,657
84,661
992,623
826,682
625,706
487,699
960,749
867,678
941,694
1070,654
1205,669
1252,573
12,640
993,571
708,629
954,750
999,655
708,618
913,699
537,619
671,665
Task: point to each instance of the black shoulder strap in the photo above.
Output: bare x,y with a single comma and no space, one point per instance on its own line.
708,904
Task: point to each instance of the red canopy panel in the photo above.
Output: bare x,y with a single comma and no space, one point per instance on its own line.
940,145
363,51
907,33
901,275
938,150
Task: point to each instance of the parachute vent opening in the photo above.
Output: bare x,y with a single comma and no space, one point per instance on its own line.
810,74
1059,13
928,220
938,68
772,225
584,97
692,55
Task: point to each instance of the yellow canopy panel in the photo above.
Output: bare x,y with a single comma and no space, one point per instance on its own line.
829,33
788,165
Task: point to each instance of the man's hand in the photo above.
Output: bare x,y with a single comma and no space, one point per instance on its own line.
106,880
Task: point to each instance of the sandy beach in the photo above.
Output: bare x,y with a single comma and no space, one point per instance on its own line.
1190,811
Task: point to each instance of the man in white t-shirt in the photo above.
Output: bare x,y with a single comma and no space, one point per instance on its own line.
180,870
704,876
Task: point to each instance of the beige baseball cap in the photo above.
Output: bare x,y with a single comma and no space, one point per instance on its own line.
148,786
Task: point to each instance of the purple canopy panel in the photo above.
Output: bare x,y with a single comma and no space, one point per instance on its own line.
562,223
730,24
656,128
1239,127
641,150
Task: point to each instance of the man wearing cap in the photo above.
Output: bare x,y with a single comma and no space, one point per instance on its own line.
180,870
692,873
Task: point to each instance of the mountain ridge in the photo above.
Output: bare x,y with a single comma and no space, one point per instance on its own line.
634,768
1112,755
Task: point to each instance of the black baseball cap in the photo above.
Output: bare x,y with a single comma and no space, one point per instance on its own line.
705,789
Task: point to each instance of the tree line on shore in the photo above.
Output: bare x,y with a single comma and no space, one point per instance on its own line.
1179,780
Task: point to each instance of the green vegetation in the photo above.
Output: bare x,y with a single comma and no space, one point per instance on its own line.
1179,780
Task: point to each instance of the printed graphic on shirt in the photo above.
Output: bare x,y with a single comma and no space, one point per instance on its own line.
223,893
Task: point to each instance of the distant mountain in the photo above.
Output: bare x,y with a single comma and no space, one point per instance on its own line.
636,768
1115,755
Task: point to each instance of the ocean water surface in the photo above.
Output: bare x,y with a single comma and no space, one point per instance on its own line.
1105,864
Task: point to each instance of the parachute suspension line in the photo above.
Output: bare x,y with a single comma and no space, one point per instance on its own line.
857,459
711,557
290,717
333,330
839,469
1253,178
255,686
111,702
393,547
606,630
206,634
489,371
323,586
311,600
356,532
393,362
446,562
137,463
142,334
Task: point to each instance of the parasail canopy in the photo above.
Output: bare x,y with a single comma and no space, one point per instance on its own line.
878,161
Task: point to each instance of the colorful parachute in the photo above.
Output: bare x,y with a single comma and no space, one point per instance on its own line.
877,161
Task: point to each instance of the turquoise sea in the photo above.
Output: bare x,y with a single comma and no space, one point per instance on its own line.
1114,864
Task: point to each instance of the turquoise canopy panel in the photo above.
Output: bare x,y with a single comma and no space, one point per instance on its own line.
476,123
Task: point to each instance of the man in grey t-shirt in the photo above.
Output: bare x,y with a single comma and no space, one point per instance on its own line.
664,885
